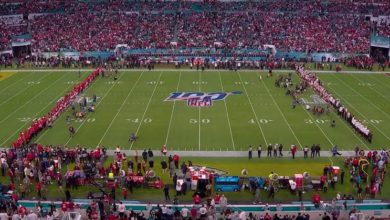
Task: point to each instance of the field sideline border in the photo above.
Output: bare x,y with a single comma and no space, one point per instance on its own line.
227,154
207,70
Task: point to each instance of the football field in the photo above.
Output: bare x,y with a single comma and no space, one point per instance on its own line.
249,111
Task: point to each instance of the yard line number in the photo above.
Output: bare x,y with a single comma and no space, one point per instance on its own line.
199,82
261,121
78,120
33,82
155,82
321,121
71,82
137,120
203,121
241,83
366,84
317,121
373,121
88,120
114,82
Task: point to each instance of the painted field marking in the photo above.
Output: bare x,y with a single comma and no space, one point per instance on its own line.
356,92
105,95
262,121
31,99
373,121
318,121
253,110
200,82
155,82
1,91
173,109
33,82
71,82
227,112
241,83
5,75
21,91
146,109
137,120
365,84
56,98
283,116
120,109
25,119
370,87
81,120
380,82
353,133
114,82
318,126
196,121
348,103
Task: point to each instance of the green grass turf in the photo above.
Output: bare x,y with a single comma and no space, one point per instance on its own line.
135,103
255,167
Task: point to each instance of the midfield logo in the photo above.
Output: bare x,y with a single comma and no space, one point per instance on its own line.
200,99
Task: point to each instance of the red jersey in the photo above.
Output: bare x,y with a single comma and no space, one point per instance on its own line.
64,206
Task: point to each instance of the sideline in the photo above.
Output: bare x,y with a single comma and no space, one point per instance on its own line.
207,70
157,153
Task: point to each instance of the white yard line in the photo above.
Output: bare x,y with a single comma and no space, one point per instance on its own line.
22,90
370,87
344,100
1,91
173,109
199,122
54,100
105,95
322,131
227,113
343,122
283,116
120,109
354,134
146,109
356,92
253,110
31,99
380,82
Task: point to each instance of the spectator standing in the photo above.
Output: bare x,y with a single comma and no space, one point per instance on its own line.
166,193
257,196
293,150
269,150
305,152
184,212
259,151
223,203
280,150
276,146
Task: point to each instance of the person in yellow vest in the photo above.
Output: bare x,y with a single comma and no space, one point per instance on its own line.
110,176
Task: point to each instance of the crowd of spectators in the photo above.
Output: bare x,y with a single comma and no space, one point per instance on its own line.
334,6
367,171
305,26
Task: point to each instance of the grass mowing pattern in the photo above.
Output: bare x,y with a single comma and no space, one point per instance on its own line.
135,103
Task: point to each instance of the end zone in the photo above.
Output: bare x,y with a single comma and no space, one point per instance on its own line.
5,75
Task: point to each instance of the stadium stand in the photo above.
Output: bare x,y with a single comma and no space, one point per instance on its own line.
303,26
